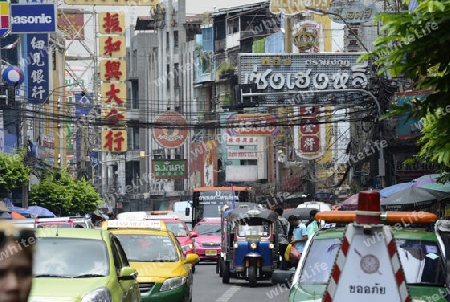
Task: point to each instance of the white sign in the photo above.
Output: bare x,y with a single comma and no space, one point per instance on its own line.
242,141
242,154
142,224
241,173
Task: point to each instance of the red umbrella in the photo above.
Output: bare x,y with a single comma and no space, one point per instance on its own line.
16,215
351,203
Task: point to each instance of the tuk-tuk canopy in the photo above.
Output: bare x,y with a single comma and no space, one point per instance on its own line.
245,213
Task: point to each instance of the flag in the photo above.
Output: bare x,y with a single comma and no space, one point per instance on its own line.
12,45
233,202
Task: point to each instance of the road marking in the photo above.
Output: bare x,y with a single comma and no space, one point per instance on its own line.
228,294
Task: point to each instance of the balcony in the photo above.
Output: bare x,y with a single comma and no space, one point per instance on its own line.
220,44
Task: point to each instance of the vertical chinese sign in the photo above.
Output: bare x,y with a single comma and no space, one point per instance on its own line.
310,136
37,72
113,77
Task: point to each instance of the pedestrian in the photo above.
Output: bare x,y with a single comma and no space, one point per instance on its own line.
300,235
16,269
283,231
312,225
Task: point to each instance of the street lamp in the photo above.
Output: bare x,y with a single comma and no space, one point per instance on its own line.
321,11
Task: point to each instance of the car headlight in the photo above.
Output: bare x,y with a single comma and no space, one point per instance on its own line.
172,283
101,294
235,245
271,245
253,245
186,247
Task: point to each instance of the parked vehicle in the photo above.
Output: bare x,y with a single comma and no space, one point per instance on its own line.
249,245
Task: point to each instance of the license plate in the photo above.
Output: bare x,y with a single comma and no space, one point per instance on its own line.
210,252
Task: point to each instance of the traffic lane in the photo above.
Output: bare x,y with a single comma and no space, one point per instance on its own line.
208,287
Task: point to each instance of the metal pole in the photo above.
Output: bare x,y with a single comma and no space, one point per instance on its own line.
287,34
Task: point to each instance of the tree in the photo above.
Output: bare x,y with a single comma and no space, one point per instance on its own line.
13,172
415,46
59,192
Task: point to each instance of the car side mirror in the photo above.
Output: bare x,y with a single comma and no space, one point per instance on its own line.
187,212
191,259
194,234
282,277
127,273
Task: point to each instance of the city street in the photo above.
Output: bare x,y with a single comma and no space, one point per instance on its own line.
208,287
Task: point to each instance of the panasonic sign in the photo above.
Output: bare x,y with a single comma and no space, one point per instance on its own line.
33,18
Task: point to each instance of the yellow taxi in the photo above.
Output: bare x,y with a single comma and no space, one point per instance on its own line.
164,272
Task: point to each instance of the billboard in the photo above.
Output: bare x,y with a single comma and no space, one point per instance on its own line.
37,68
4,17
169,169
304,78
170,129
33,18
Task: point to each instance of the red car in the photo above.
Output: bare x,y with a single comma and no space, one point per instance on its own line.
207,238
179,228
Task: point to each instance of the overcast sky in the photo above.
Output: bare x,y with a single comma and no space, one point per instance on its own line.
201,6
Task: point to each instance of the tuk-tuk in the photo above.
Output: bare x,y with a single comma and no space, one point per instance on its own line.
249,245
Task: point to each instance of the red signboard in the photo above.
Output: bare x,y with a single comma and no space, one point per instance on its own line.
253,124
170,130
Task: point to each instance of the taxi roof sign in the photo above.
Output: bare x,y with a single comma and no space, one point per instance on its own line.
136,224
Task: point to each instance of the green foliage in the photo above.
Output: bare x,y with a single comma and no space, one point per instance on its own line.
225,66
13,172
415,46
59,192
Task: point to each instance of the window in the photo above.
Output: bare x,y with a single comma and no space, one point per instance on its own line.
176,75
232,26
176,41
134,95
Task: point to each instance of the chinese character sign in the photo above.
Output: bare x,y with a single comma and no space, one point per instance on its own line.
112,46
37,68
114,140
111,23
113,70
310,133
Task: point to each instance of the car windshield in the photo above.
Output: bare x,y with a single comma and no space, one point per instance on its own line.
54,225
322,252
70,257
177,228
148,248
207,229
422,262
253,230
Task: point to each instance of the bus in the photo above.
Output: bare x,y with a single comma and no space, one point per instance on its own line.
207,201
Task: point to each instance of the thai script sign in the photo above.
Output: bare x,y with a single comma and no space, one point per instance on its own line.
357,12
293,7
289,73
253,124
169,169
113,2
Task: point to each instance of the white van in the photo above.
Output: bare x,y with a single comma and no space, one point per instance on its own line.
318,205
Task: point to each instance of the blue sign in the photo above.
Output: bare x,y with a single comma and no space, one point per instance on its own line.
33,18
37,68
13,75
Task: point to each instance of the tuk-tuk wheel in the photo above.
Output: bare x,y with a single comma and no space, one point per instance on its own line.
225,272
193,268
219,266
252,276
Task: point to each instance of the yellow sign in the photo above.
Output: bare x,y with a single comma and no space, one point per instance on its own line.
293,7
114,116
111,23
112,46
114,140
113,2
113,94
113,70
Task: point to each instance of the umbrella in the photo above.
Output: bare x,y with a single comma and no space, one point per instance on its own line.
302,213
437,187
16,215
388,191
40,211
412,198
21,211
351,203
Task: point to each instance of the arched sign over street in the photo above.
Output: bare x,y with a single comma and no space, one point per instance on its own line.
170,130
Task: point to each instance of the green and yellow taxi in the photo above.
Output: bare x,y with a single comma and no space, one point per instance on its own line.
164,272
81,265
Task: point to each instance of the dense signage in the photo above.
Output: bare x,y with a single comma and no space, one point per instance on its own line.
169,169
37,68
170,129
302,77
253,124
293,7
310,134
33,18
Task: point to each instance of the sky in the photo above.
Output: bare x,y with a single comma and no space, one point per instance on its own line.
201,6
